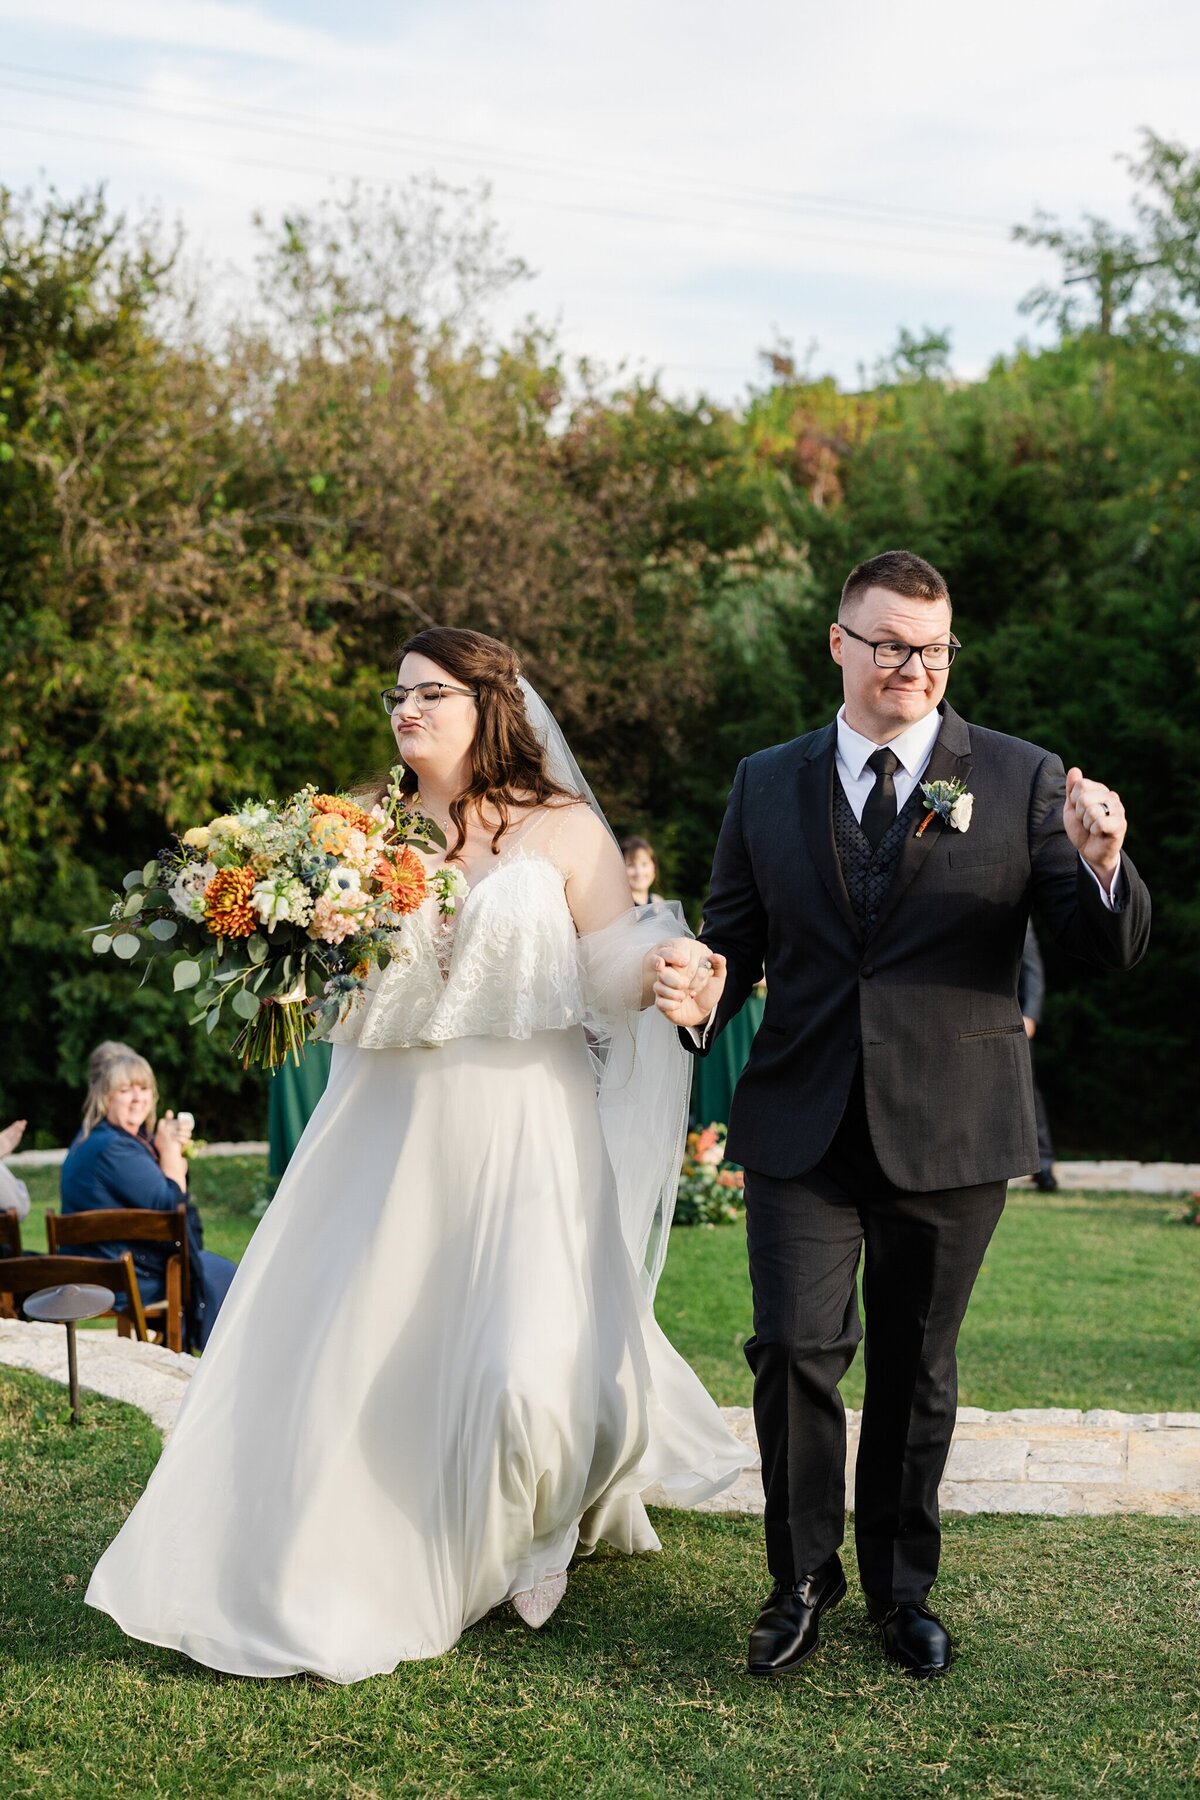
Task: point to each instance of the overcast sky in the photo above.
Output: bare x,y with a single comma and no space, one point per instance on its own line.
691,182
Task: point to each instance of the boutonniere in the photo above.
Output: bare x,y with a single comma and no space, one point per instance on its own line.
948,801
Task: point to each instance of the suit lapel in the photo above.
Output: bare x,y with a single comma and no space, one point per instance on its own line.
816,779
950,761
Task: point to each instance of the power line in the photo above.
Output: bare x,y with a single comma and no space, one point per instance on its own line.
538,202
524,162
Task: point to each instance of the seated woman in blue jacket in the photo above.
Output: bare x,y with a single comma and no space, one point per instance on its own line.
115,1161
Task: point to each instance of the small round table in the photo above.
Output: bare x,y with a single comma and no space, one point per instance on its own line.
66,1306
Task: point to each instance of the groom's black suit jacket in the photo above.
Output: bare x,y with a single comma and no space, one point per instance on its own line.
928,1000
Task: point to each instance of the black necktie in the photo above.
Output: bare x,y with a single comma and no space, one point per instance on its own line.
880,811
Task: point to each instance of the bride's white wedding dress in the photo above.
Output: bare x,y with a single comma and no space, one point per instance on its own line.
437,1375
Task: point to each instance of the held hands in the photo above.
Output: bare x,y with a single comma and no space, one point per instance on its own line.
1094,820
689,981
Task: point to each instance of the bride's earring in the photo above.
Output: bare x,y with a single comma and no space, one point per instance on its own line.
537,1603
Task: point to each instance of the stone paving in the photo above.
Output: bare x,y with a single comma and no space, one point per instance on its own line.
146,1375
1036,1460
1033,1460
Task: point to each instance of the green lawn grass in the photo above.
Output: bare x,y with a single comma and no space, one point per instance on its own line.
1078,1647
1083,1300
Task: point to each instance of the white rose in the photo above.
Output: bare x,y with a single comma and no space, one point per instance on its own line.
457,885
187,889
960,812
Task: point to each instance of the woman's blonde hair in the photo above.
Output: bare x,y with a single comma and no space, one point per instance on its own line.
110,1071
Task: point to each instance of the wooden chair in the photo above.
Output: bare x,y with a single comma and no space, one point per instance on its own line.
10,1233
25,1275
10,1245
134,1224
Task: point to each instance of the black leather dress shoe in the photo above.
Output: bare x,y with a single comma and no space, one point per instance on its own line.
913,1637
786,1631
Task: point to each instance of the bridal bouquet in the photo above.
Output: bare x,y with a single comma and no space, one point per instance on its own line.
281,910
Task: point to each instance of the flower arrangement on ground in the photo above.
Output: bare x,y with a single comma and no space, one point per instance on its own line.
282,910
710,1189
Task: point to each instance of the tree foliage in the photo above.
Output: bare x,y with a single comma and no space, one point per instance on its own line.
211,552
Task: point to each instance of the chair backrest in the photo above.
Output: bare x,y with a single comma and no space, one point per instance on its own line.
10,1232
25,1275
123,1225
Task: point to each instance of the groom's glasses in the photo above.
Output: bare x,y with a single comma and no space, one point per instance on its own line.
891,655
428,696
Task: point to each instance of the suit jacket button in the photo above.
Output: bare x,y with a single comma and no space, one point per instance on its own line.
868,969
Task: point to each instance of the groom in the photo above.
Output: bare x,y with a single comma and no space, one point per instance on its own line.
888,1097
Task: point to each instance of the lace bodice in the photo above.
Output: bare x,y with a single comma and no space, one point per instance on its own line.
506,965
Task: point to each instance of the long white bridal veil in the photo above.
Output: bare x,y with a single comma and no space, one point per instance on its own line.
642,1072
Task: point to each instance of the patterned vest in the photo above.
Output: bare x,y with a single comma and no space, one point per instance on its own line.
868,873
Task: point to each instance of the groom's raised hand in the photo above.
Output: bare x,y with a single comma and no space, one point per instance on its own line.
689,980
1094,820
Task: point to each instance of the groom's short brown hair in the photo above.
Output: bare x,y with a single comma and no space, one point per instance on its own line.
899,571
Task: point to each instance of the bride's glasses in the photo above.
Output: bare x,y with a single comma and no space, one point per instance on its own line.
428,695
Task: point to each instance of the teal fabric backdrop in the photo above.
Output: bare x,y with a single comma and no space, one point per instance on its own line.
291,1099
715,1076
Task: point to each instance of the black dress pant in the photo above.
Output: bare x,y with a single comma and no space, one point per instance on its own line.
922,1252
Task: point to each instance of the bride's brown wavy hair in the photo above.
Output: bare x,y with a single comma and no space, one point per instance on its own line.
507,758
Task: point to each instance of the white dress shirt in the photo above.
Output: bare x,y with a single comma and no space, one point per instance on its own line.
914,747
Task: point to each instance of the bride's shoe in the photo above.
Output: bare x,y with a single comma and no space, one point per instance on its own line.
536,1604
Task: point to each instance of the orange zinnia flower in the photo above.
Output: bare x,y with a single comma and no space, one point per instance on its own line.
402,878
226,912
345,809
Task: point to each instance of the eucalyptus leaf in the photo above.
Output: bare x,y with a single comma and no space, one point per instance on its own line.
256,949
125,946
245,1004
133,880
186,975
133,905
149,874
163,929
101,942
210,1024
155,898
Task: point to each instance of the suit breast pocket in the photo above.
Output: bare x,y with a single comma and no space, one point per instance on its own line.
982,855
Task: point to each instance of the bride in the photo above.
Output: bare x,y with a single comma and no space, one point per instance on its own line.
438,1376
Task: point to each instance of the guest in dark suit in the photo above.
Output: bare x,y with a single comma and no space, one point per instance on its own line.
1031,997
116,1162
888,1097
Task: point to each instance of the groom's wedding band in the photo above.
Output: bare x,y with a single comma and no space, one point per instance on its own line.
706,965
1105,808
